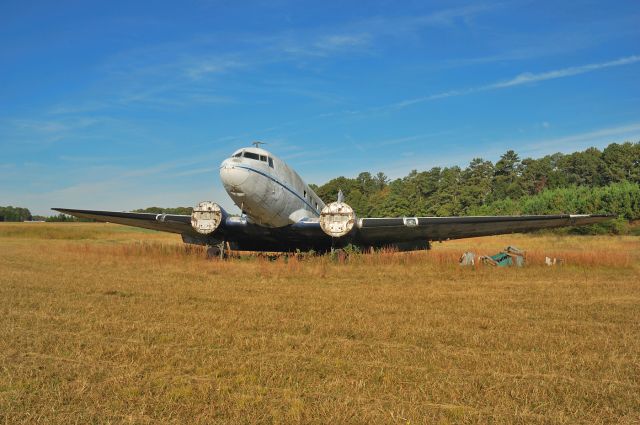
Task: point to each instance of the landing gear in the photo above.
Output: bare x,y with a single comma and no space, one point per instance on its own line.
217,251
339,255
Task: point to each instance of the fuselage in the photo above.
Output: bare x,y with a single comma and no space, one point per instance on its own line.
267,190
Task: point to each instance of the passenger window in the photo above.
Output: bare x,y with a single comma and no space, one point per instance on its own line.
263,158
305,194
270,162
252,155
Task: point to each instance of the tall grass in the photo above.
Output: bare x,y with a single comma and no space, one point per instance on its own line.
619,254
74,231
135,327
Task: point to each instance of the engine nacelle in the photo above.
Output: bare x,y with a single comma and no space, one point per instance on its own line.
206,217
337,219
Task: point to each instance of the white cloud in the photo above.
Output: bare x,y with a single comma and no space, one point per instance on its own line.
42,132
120,188
336,42
525,78
528,77
410,139
213,171
361,35
179,73
598,138
207,66
449,156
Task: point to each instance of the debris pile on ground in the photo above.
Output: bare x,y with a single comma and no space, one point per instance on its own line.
510,256
468,259
553,261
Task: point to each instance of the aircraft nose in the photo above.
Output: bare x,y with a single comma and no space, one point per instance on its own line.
232,176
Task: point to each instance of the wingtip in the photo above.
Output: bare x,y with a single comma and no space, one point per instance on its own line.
67,211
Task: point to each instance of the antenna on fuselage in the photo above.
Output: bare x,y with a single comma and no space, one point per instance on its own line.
257,144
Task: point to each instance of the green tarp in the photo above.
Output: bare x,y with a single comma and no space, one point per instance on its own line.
508,257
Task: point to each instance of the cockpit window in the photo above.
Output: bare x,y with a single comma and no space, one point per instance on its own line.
263,158
238,155
252,155
270,162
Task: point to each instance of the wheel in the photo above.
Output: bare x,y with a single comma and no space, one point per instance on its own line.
213,252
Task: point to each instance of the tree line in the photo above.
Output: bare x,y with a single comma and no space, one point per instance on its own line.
15,214
589,181
160,210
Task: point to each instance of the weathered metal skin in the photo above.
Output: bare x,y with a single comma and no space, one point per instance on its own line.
270,193
337,219
206,217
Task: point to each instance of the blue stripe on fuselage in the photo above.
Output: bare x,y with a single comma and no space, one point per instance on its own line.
313,210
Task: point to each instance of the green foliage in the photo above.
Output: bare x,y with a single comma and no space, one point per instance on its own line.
507,181
64,218
14,214
161,210
621,199
592,181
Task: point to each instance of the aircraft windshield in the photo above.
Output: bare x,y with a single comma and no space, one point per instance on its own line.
254,156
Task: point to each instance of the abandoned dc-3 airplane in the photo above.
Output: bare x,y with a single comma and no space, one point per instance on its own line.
282,213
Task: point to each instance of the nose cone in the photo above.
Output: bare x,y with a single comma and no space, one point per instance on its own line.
232,176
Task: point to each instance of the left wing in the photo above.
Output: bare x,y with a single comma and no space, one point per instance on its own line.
382,231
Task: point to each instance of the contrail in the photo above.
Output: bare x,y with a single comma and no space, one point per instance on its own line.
524,78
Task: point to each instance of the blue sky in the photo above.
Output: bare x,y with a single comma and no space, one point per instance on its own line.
119,105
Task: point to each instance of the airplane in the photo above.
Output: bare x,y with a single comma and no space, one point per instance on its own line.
281,213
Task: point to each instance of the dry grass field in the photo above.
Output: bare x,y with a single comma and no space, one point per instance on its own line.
106,324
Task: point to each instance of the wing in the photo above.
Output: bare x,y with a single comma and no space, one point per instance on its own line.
382,231
163,222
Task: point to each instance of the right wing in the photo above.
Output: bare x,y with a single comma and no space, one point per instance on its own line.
163,222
